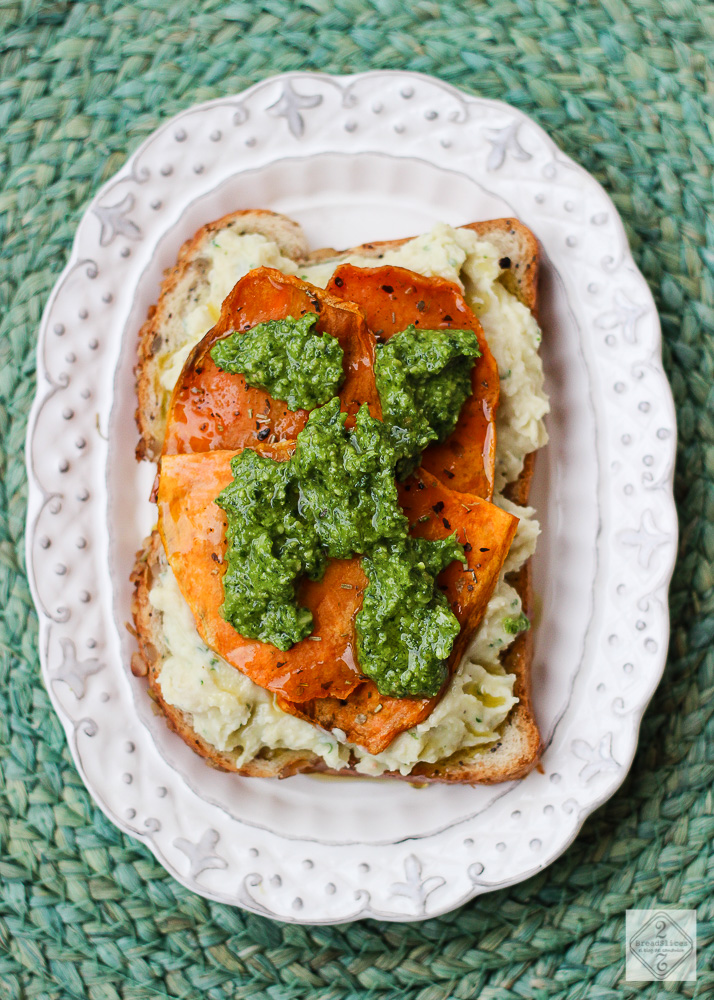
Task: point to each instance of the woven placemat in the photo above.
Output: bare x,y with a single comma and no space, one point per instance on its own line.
626,88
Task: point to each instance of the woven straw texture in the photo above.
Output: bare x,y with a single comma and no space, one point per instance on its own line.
626,88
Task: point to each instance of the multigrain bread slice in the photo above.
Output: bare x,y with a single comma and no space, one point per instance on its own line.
519,746
163,330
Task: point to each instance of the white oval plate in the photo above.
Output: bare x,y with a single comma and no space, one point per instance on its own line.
373,156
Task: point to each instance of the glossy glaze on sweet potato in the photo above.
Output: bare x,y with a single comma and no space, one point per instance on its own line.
212,409
392,298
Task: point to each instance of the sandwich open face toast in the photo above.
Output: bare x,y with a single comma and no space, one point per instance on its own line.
265,709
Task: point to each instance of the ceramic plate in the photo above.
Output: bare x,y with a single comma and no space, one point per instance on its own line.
373,156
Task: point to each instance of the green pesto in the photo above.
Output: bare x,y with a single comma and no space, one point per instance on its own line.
405,628
513,626
269,547
336,498
423,378
347,487
286,358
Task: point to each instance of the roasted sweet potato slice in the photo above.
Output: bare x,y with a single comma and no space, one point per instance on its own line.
485,531
370,719
213,409
192,528
393,298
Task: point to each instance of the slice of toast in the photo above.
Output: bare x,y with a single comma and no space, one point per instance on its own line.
519,746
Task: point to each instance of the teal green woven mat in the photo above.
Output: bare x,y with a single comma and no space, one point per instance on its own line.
623,88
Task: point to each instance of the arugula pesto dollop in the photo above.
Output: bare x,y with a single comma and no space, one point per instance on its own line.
286,358
405,628
423,379
269,547
346,478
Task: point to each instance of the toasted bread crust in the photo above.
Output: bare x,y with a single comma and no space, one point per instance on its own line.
519,746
